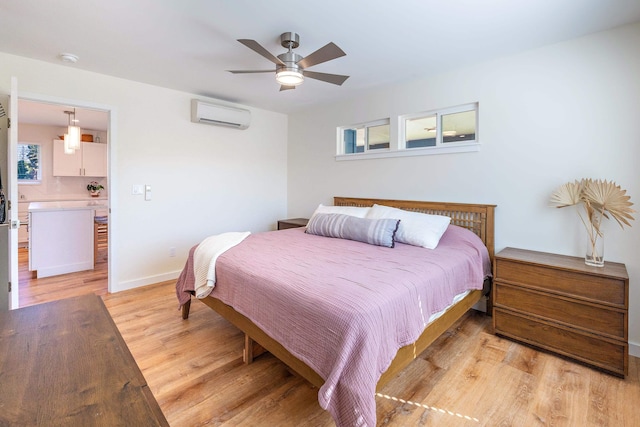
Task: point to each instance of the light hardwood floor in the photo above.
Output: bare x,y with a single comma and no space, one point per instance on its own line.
468,377
34,291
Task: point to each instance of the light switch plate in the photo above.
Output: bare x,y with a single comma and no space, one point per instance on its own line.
147,192
137,189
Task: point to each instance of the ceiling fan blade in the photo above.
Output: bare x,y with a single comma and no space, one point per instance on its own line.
286,88
256,47
324,54
336,79
249,71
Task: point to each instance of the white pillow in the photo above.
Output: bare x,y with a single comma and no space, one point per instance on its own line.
417,229
342,210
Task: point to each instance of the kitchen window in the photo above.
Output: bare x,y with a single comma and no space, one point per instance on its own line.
29,164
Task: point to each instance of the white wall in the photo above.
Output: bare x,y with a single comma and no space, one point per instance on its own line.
204,179
548,116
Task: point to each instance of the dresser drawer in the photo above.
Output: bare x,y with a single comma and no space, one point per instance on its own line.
597,352
573,313
572,283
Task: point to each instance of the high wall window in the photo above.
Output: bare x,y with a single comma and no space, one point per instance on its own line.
440,128
446,130
364,138
29,165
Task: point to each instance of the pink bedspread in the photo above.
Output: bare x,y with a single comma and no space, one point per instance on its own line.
344,307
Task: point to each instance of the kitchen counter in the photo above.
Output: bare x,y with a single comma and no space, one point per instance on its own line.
61,236
61,198
68,205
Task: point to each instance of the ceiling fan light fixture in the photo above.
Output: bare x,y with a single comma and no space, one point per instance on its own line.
291,68
289,77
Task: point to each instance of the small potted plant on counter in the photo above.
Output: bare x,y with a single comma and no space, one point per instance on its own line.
94,188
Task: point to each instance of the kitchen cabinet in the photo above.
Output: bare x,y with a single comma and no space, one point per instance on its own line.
61,236
89,160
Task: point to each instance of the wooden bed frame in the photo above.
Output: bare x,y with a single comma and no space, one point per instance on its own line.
478,218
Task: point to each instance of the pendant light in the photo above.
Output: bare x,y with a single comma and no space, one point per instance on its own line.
72,137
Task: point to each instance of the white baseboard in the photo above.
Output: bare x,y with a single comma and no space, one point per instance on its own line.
64,269
634,349
144,281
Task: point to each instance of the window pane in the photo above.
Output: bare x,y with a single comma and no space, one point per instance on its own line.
458,127
28,162
353,141
421,132
349,137
360,141
378,137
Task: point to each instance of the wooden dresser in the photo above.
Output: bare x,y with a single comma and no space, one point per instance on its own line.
64,363
558,303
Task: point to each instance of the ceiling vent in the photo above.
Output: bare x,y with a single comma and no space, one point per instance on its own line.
219,115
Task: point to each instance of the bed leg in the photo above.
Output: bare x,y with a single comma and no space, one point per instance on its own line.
185,309
251,350
488,288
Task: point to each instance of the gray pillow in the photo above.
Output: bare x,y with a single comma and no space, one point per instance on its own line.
380,232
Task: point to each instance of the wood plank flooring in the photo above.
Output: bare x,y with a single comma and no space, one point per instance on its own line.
468,377
34,291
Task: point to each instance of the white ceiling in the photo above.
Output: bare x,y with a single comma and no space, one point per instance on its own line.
188,44
54,115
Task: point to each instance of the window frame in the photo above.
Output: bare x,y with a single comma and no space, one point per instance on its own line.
39,173
341,144
398,148
441,146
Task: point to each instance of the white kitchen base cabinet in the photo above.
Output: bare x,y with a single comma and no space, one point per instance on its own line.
61,239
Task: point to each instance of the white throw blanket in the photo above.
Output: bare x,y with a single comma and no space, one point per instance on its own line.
205,256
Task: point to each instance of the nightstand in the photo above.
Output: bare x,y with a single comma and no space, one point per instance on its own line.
558,303
283,224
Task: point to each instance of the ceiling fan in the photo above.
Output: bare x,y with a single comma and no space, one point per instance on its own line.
291,68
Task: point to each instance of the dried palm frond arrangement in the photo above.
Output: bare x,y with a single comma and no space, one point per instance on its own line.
601,199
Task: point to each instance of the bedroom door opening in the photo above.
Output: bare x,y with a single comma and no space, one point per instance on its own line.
39,120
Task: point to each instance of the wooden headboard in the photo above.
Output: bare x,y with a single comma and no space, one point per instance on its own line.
475,217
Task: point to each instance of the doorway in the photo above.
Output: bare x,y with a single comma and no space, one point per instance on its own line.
41,125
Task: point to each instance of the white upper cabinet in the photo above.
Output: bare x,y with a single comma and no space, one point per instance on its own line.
94,159
89,160
66,164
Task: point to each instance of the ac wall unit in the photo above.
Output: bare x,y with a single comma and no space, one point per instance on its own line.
219,115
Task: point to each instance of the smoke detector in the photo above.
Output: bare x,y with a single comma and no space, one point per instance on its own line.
69,57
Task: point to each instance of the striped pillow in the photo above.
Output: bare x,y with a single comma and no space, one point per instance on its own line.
379,232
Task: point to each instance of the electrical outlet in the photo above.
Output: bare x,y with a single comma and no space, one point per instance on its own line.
172,251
